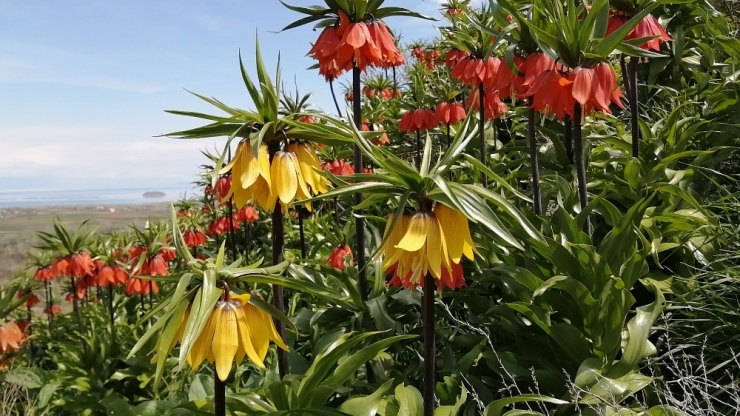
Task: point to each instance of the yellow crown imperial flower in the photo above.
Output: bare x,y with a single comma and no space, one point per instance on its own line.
427,243
250,177
310,166
235,329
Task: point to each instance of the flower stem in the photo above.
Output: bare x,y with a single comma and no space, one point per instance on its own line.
112,314
334,96
359,220
429,347
49,302
247,242
418,149
278,243
232,236
568,137
634,106
534,161
219,396
481,127
625,76
580,164
301,233
76,305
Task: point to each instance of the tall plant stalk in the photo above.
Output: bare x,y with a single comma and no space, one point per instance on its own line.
112,313
76,304
418,149
302,233
219,396
334,96
481,127
429,347
580,164
359,220
634,106
534,161
568,137
278,243
49,302
232,235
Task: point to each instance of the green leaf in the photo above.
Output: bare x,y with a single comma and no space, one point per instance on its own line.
638,329
348,366
497,407
201,387
410,402
28,378
366,405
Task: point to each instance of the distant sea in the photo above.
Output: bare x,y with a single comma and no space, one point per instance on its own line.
31,198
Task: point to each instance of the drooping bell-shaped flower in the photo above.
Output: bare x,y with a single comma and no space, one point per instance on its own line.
449,113
235,329
421,119
338,257
649,26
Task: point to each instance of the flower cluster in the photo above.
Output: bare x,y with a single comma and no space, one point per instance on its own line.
292,175
341,46
432,242
235,329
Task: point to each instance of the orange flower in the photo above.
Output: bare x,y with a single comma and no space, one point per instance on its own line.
59,267
382,140
449,113
44,274
494,107
338,256
139,286
507,83
647,27
194,238
338,167
80,265
11,337
221,225
110,275
474,71
53,310
536,64
596,88
421,119
452,281
369,92
32,301
390,55
247,214
222,187
157,266
552,94
454,56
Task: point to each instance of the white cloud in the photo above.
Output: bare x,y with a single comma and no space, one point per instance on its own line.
102,154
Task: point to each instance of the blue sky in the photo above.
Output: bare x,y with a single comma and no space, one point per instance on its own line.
84,85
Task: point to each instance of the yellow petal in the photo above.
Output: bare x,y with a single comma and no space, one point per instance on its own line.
456,232
264,165
284,180
259,335
269,323
435,248
225,340
302,186
202,345
416,235
245,340
249,166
